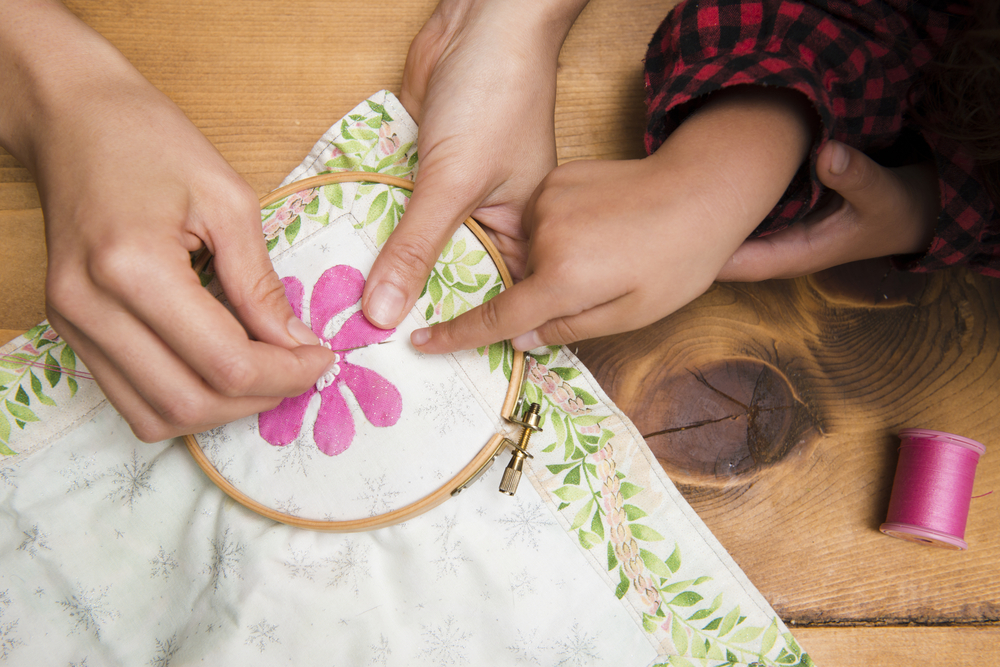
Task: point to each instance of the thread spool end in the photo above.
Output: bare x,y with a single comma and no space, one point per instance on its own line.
922,535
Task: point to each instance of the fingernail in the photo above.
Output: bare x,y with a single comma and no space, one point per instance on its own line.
385,306
526,341
840,158
420,337
298,330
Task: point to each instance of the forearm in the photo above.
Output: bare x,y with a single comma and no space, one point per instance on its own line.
51,66
735,157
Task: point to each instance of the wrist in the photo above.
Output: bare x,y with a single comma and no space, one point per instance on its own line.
736,156
534,24
52,67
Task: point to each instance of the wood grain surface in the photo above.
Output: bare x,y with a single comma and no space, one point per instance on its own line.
774,407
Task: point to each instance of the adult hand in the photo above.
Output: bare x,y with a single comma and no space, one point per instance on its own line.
130,188
875,211
618,245
480,80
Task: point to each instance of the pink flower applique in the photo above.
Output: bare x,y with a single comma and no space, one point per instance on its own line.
337,289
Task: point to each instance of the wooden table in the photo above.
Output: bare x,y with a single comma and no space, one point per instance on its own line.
774,407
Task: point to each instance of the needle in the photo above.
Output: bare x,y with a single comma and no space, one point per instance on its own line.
359,347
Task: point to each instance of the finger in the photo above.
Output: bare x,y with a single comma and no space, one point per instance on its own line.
249,281
792,252
605,319
441,201
144,420
906,197
160,290
520,309
854,175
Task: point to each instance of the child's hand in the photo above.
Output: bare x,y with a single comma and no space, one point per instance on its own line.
877,212
480,80
129,188
617,245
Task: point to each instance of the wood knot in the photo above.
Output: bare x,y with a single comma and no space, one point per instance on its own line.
727,418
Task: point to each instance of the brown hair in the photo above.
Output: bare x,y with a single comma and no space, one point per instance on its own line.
963,92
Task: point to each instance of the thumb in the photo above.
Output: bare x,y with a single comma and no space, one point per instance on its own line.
441,201
252,286
853,175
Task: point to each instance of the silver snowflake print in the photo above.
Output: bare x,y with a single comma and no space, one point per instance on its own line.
8,636
39,591
89,609
524,523
262,635
226,557
522,584
79,472
349,568
578,649
9,477
446,644
298,455
163,563
381,652
82,663
131,480
449,405
288,506
211,442
526,647
446,527
377,496
34,540
450,559
164,652
300,566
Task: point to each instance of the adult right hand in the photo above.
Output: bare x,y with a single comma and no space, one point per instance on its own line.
480,80
129,188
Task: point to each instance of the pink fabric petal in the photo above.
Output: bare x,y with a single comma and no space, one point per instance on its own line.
379,399
294,292
334,428
281,425
338,288
357,332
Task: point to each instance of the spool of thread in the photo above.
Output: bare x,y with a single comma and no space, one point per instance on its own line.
932,488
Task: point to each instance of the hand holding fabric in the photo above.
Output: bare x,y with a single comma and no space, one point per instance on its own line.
618,245
876,211
130,188
480,81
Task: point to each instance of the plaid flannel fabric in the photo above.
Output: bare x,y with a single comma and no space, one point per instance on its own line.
857,62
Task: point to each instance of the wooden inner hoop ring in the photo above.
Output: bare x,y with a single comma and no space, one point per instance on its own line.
450,487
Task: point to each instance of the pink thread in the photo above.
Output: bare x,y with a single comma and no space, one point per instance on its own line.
932,488
37,364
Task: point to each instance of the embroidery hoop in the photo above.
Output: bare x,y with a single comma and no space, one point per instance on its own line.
453,486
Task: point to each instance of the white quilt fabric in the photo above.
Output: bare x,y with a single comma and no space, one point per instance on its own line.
115,552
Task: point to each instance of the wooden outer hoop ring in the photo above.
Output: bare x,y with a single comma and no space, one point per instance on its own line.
447,489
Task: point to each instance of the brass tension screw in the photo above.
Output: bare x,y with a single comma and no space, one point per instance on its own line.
512,474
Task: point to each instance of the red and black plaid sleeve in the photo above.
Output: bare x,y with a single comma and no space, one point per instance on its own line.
857,62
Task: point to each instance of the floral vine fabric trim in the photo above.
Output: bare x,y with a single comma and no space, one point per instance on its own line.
39,375
339,288
591,466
